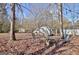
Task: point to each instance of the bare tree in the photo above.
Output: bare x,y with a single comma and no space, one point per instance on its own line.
12,28
60,12
13,14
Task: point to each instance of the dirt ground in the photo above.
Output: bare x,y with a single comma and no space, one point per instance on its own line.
25,44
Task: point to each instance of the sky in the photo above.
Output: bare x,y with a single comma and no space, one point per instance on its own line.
29,12
69,15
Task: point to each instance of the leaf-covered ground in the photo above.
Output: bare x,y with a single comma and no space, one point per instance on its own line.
25,44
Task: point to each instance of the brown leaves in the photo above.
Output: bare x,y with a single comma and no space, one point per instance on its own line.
28,45
21,46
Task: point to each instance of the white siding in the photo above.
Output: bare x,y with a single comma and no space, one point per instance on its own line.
71,30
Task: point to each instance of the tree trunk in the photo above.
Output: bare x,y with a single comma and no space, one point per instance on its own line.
61,19
12,28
